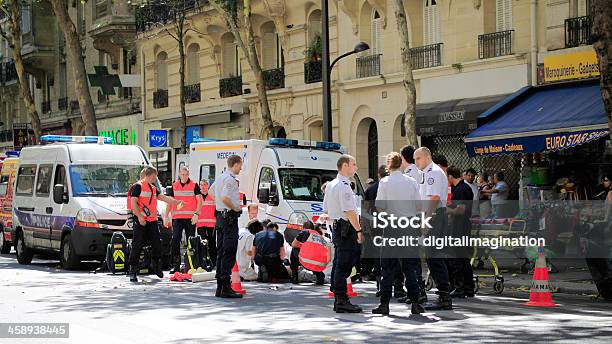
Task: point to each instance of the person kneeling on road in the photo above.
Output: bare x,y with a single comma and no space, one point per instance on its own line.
244,254
269,251
315,256
143,197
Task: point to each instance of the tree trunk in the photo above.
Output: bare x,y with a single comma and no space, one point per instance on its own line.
75,53
410,113
24,85
250,52
181,46
601,13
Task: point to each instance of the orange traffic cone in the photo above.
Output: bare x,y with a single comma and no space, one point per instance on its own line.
349,289
236,285
541,293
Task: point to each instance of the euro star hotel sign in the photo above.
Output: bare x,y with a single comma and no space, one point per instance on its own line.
582,64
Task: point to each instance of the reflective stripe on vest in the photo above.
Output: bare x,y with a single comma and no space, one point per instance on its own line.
185,193
147,198
206,218
314,254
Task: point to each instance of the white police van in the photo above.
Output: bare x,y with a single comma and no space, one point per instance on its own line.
283,175
70,196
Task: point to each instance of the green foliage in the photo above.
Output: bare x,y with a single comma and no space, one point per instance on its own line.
315,49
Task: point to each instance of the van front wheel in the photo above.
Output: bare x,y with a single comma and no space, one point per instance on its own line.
5,246
69,259
24,253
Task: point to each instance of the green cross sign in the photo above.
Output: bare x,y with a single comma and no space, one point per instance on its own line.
107,82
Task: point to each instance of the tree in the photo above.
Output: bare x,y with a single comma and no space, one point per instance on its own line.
601,16
235,13
408,82
75,55
12,10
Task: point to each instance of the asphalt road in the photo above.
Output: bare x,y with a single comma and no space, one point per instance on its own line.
101,308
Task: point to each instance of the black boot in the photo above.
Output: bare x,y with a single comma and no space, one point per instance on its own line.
157,268
416,307
444,302
133,274
383,308
320,278
342,304
219,287
227,292
423,296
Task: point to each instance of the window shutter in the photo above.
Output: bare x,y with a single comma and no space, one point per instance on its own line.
376,36
582,8
503,13
426,23
229,60
194,67
270,53
435,24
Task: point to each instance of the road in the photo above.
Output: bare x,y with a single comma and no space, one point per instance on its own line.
102,308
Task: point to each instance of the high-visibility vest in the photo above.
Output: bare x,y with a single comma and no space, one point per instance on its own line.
129,199
206,218
147,198
185,193
314,254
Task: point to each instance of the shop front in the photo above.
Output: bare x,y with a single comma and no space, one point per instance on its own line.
123,130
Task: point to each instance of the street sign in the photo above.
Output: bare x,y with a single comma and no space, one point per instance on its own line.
158,138
106,82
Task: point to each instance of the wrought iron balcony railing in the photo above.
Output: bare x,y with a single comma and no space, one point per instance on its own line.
578,31
313,72
62,104
160,99
230,86
368,65
495,44
274,78
160,12
191,93
74,106
426,56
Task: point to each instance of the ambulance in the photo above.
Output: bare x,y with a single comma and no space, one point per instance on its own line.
71,195
284,176
7,181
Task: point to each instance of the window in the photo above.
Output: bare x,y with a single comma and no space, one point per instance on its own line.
193,64
43,180
4,185
102,180
207,172
231,60
431,22
503,14
60,177
271,47
302,184
25,180
26,19
376,33
161,72
161,161
314,25
266,178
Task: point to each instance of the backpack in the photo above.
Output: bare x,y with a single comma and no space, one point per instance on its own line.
117,254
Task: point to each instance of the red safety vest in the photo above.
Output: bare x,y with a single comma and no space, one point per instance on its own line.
148,198
185,193
206,218
314,254
129,199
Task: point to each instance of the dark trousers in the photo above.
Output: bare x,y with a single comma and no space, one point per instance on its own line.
274,266
390,268
144,236
294,263
346,253
227,245
435,258
210,235
463,275
178,226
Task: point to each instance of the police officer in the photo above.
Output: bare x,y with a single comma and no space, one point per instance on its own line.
143,197
185,218
398,194
434,190
340,207
227,203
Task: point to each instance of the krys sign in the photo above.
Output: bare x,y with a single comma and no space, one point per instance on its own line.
120,136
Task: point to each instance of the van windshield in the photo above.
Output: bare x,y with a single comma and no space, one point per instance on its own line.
301,184
103,180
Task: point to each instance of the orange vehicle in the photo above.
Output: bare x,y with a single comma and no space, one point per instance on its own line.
7,181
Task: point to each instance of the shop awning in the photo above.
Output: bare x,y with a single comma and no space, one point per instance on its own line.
452,117
538,119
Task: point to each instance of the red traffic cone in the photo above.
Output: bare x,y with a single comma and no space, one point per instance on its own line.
236,285
541,293
349,289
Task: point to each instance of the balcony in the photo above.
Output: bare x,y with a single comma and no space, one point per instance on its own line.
39,46
62,104
578,31
113,27
46,107
158,12
274,78
313,72
495,44
368,66
160,99
191,93
426,56
74,106
230,86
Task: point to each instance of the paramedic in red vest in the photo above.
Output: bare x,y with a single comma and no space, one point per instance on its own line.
143,197
186,217
206,220
317,255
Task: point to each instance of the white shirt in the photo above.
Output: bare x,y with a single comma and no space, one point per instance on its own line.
434,183
339,198
414,172
502,196
394,193
245,243
228,187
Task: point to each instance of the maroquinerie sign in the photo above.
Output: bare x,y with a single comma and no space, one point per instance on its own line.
451,116
579,65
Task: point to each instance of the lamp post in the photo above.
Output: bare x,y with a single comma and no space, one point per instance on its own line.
326,70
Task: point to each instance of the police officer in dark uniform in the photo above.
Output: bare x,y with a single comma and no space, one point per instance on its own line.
339,205
227,204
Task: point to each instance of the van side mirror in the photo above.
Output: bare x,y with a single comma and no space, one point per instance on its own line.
59,196
273,199
263,195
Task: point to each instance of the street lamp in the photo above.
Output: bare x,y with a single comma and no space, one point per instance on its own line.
326,70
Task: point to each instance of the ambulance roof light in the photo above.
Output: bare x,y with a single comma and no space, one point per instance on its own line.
76,139
300,143
206,139
12,153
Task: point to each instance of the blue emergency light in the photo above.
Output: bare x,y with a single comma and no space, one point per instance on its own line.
12,153
75,139
299,143
206,139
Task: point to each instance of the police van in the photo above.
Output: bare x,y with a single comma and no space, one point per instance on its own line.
284,176
70,196
7,181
